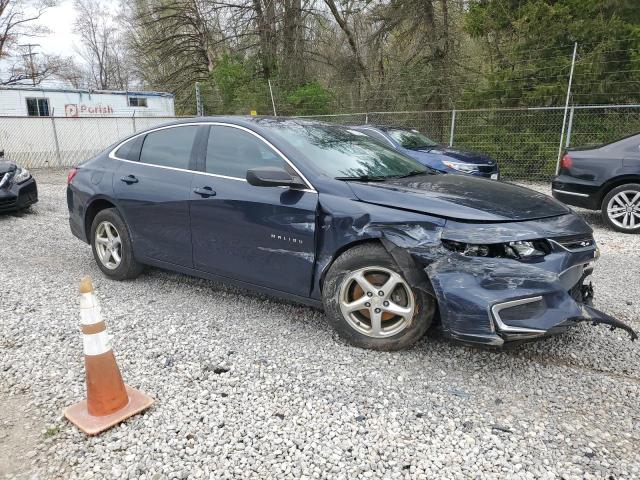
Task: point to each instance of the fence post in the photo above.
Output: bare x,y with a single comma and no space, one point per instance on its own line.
273,102
133,121
453,127
366,118
566,105
568,142
198,101
55,138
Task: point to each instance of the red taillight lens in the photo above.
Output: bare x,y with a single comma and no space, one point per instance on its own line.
566,162
71,174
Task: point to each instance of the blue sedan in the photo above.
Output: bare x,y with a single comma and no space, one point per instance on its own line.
444,159
314,213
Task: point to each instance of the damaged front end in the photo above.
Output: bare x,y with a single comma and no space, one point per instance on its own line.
495,283
507,282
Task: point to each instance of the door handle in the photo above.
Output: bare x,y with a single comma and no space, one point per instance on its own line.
129,179
205,192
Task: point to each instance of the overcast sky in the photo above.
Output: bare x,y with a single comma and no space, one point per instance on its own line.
59,20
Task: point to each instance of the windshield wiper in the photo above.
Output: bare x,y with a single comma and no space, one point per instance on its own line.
420,147
363,178
413,173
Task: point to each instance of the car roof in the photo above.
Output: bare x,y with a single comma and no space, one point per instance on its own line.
384,128
248,120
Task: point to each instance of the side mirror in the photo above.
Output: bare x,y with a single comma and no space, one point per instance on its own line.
272,177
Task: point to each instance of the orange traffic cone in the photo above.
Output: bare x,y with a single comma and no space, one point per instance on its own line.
109,401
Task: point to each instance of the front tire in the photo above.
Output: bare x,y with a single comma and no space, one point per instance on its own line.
371,305
112,247
621,208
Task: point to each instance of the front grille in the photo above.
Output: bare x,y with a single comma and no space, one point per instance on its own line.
575,242
7,202
486,168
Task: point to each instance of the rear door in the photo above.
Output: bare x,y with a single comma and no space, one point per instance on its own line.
260,235
153,194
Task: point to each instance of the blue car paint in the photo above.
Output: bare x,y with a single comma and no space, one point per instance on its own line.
281,241
436,156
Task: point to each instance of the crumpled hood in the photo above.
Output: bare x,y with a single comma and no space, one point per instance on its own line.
6,166
460,197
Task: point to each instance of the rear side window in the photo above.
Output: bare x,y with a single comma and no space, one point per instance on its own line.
231,152
170,147
131,149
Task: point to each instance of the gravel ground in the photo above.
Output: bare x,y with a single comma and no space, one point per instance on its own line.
251,387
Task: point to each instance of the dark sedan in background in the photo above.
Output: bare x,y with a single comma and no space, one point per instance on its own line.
430,153
18,189
605,178
312,212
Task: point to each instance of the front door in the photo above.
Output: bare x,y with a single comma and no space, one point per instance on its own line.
154,193
261,235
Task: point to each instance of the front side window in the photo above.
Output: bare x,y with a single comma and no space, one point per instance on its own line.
338,152
38,107
231,152
411,139
169,147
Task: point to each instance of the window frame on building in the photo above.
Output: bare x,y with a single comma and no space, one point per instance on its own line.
40,111
140,102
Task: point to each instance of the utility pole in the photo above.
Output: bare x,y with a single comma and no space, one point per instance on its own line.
31,64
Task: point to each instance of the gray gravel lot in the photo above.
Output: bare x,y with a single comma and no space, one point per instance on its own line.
251,387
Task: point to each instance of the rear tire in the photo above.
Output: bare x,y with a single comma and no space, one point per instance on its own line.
112,247
359,278
621,208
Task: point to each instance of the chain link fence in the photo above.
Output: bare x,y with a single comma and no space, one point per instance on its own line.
525,141
46,142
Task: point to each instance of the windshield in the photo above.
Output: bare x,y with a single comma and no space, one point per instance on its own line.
411,139
342,153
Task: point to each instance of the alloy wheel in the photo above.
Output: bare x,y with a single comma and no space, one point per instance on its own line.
108,245
624,209
377,302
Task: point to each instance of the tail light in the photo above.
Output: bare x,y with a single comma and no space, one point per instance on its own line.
71,174
566,162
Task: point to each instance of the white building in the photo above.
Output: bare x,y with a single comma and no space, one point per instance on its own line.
23,101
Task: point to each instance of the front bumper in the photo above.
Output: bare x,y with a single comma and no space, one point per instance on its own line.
17,197
493,301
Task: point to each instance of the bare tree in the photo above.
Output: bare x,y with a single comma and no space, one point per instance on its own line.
19,22
102,47
342,21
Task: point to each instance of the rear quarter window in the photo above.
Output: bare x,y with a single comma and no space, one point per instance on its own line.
130,150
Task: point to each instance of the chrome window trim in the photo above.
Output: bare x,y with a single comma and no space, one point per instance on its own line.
495,310
112,153
571,193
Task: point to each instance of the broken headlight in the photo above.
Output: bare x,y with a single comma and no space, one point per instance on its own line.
21,175
523,250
